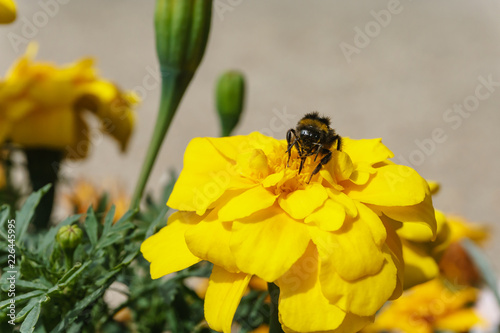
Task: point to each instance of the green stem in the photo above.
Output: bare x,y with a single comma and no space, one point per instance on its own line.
174,84
43,167
274,323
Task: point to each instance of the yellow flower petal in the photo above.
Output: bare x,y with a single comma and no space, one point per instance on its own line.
268,243
344,200
7,11
169,243
209,240
223,295
369,151
300,293
247,203
55,129
300,203
113,108
459,321
329,217
205,177
354,251
420,267
364,296
392,185
419,221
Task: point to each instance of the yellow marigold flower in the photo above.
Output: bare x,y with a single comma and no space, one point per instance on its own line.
42,105
323,243
7,11
429,307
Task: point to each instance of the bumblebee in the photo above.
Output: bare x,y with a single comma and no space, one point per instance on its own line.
312,136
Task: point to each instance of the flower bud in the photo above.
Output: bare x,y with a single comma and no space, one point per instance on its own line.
230,95
182,28
69,236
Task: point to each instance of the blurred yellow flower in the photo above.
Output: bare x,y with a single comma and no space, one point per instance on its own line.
84,194
323,243
41,106
455,264
261,329
421,257
7,11
429,307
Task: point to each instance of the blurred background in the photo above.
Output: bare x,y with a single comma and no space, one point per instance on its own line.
422,75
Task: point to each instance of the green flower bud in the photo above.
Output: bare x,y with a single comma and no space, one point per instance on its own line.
230,96
182,28
69,236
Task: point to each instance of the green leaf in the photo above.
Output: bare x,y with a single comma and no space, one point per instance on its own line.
126,217
22,297
24,311
71,275
108,221
122,226
24,216
4,217
91,226
30,285
483,265
29,323
153,227
78,309
112,238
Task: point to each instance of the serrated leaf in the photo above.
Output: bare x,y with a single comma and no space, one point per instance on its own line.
25,215
112,238
123,226
79,306
24,311
22,297
102,204
72,274
108,221
75,328
91,226
28,325
483,265
4,217
30,285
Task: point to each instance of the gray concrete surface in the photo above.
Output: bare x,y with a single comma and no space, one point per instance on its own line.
400,84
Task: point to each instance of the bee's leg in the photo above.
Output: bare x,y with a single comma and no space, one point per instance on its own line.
324,160
302,160
291,133
318,149
339,143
